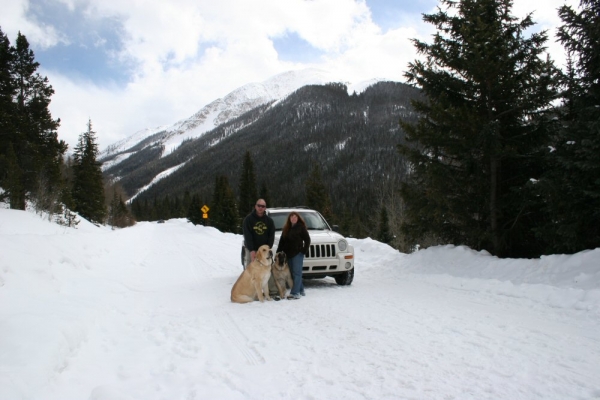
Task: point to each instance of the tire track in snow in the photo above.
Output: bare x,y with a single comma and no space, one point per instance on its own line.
230,330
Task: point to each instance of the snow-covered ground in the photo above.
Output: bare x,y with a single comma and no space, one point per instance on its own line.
144,313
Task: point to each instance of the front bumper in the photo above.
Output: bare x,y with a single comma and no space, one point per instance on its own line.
325,263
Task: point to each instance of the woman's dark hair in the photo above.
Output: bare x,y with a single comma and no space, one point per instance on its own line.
288,223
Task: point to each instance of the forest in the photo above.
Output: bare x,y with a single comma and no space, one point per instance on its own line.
488,144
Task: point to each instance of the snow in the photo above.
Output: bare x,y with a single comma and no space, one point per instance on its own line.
220,111
232,106
116,160
144,313
131,141
157,178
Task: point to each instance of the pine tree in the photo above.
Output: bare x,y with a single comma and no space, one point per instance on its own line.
185,204
118,213
146,212
69,218
265,195
88,187
113,210
12,181
224,214
153,210
164,209
35,137
384,235
194,213
317,194
571,185
247,186
27,127
137,210
480,135
7,110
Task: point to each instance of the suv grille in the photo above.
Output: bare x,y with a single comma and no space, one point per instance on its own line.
321,251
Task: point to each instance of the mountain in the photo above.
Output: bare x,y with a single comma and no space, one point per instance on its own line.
289,126
214,114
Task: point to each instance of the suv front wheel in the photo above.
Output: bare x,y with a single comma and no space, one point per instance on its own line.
345,279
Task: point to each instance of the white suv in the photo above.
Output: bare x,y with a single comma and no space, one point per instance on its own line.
329,254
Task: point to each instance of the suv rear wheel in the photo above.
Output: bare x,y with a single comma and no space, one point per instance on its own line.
345,279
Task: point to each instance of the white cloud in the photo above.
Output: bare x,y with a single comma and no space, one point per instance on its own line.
187,53
14,19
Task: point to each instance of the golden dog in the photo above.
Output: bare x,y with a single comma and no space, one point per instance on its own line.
281,273
253,283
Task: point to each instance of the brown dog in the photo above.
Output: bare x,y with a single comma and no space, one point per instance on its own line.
281,273
253,281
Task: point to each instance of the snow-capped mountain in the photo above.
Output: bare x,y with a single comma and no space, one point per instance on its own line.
351,129
221,111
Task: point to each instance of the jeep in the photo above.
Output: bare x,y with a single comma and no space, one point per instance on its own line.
329,253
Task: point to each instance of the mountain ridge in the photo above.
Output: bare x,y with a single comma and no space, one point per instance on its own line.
351,135
220,111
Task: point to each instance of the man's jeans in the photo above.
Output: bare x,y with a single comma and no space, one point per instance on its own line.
296,269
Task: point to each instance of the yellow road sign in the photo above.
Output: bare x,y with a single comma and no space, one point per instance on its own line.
205,209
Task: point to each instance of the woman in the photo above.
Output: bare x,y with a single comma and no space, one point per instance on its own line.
295,242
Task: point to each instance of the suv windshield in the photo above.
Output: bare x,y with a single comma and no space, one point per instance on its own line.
313,220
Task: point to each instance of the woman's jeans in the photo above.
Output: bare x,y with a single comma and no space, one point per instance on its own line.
296,268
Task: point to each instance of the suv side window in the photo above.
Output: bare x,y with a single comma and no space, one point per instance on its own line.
314,221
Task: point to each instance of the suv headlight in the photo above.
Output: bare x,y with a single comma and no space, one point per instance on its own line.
342,245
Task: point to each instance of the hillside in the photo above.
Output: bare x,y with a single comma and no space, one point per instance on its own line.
352,137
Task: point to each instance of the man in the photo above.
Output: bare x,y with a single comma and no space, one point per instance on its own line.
258,229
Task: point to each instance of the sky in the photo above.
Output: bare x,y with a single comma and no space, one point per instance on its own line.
129,65
145,313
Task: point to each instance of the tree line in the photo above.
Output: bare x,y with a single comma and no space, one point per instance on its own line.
33,166
226,210
499,151
505,154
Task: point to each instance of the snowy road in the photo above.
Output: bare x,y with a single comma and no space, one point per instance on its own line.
144,313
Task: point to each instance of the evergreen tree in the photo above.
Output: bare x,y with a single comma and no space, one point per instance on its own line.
146,209
480,135
153,214
164,209
118,214
384,235
571,185
7,110
247,186
137,210
35,139
265,195
12,181
317,194
224,214
88,187
27,127
69,218
194,213
113,210
185,204
346,222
